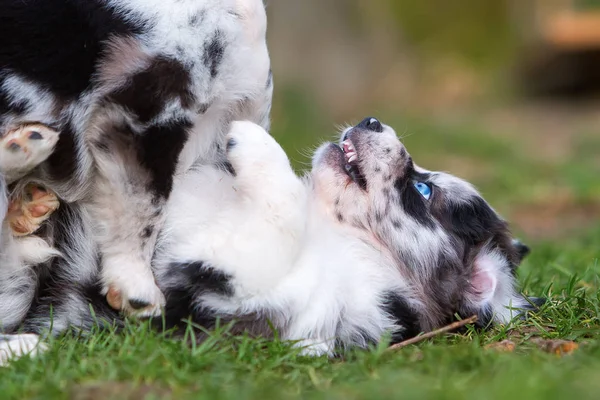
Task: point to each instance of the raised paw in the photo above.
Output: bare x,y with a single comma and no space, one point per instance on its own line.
30,208
24,148
139,298
253,152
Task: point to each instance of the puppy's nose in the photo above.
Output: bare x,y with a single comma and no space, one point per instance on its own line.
371,124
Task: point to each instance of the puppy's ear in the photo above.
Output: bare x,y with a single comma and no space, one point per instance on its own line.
492,292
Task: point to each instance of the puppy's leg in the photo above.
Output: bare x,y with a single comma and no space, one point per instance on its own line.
135,177
13,347
29,209
21,150
163,100
18,252
261,167
266,182
24,148
271,216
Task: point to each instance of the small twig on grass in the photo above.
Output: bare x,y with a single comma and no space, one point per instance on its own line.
447,328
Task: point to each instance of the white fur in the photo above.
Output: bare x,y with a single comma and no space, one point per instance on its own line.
13,347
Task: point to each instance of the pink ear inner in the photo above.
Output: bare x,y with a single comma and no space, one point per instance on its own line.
483,281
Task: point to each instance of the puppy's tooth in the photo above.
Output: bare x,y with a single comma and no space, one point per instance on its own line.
352,158
347,146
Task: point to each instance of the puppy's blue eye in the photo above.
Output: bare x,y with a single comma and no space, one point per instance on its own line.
424,189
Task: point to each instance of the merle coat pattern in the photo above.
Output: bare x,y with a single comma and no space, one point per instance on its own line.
125,82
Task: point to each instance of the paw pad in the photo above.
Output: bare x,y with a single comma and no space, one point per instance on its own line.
30,209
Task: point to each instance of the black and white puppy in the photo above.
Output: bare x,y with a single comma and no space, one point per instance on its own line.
137,89
367,244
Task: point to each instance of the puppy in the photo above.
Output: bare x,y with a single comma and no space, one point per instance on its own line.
137,89
368,244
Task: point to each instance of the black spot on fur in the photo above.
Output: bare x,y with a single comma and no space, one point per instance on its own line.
226,167
147,232
413,202
158,150
474,221
189,281
147,92
202,108
200,278
58,43
196,19
339,217
399,308
213,53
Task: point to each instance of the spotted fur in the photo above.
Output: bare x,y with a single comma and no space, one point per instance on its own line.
137,89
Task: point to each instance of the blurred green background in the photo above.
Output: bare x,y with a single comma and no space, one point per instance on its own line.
453,78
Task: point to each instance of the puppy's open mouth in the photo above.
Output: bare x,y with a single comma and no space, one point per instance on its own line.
351,164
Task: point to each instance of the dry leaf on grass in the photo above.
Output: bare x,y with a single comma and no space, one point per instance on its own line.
505,346
558,347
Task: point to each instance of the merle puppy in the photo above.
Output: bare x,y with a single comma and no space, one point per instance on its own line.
135,89
367,244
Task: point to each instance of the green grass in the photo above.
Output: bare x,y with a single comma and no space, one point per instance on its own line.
145,364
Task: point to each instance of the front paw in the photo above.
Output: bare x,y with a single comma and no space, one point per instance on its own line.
135,297
30,208
253,152
24,148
